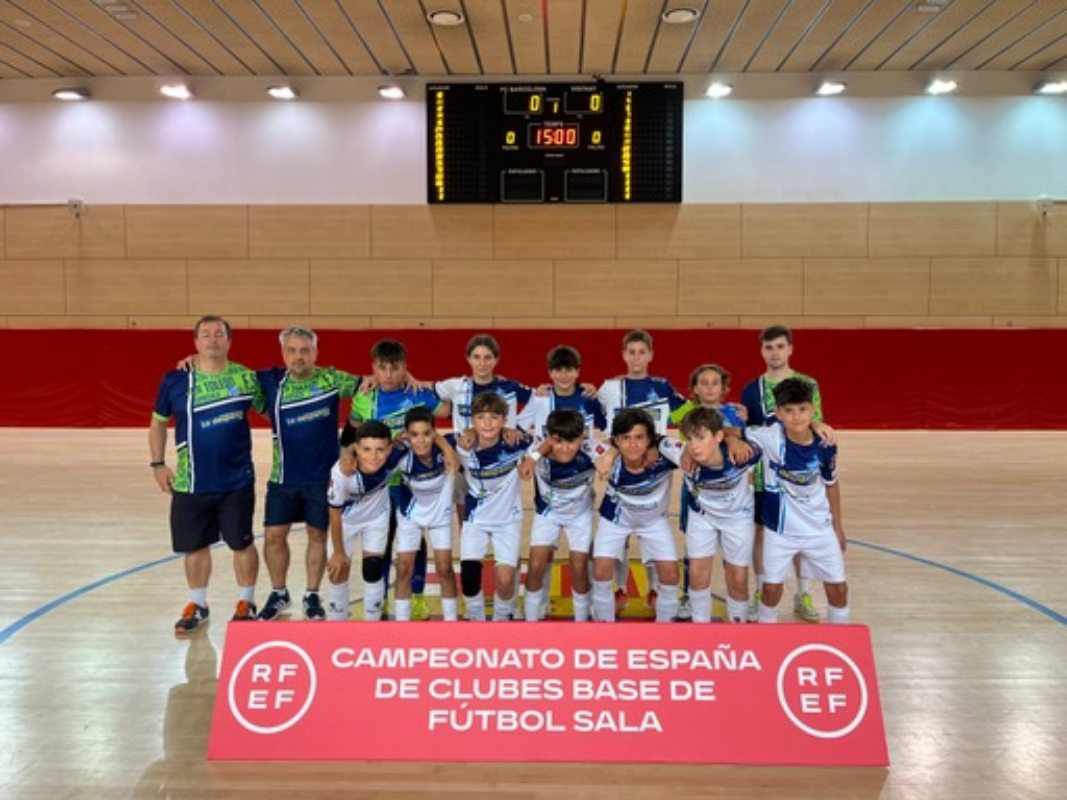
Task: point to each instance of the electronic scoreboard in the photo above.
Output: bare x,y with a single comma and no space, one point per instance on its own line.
554,143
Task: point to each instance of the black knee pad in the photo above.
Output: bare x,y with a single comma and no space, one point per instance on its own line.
373,567
470,576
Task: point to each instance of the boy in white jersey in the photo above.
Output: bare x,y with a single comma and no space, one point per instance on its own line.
493,506
425,503
720,513
563,500
801,502
636,502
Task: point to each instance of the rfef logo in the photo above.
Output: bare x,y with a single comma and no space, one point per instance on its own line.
822,691
272,687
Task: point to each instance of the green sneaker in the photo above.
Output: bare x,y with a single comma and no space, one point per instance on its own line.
419,609
804,609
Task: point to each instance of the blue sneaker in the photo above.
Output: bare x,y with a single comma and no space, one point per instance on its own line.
276,603
313,609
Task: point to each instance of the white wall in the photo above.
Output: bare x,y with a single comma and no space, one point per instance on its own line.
802,150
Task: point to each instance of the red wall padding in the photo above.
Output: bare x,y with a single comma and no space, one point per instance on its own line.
870,378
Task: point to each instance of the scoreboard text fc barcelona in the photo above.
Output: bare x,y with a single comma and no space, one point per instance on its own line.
554,143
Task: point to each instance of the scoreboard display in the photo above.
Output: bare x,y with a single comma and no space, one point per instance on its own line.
554,143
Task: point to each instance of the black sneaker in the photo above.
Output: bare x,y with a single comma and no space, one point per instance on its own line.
276,603
193,616
244,611
313,607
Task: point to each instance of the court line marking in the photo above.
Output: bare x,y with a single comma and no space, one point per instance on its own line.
52,605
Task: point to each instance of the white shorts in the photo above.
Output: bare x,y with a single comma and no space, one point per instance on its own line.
374,539
506,537
823,554
546,532
409,536
705,534
655,538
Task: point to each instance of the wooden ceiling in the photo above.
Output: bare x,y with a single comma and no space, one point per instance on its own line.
115,38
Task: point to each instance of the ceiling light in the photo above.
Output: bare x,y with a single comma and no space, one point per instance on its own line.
175,91
830,88
938,86
679,16
282,92
71,94
445,18
391,92
719,90
1051,87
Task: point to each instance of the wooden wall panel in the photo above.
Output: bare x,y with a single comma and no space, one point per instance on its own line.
933,229
603,288
923,321
867,286
993,286
3,233
358,287
685,231
836,230
187,231
63,321
763,321
554,231
681,322
53,232
431,231
248,287
31,287
1023,321
1061,306
741,286
172,321
126,286
496,288
309,231
1023,231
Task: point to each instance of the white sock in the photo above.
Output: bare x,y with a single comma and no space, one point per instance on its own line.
533,604
373,597
700,604
338,596
450,609
667,603
582,602
837,616
736,610
767,614
247,593
622,573
603,601
503,610
475,607
803,586
402,610
199,596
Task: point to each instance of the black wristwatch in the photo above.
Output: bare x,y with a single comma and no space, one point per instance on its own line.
154,464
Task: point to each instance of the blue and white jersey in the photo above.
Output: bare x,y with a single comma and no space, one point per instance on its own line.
722,492
425,497
654,395
634,499
535,415
364,497
564,492
494,490
461,391
795,477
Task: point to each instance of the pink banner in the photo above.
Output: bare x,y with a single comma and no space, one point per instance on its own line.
732,694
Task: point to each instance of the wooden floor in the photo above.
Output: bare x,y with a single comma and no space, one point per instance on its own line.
98,700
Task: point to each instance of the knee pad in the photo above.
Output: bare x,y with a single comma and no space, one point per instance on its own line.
373,566
470,576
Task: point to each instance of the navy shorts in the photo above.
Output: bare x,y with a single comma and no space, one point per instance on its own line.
199,520
288,504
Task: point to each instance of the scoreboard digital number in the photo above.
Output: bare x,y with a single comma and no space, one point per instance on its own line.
554,143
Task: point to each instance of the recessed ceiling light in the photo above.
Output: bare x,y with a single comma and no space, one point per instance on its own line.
939,86
282,92
719,90
830,88
71,94
175,91
679,16
391,92
1051,87
23,23
445,17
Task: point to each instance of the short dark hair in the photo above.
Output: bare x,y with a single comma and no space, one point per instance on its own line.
489,402
629,418
776,332
637,335
389,351
793,391
566,423
373,429
419,414
694,376
484,340
701,418
564,357
348,434
212,318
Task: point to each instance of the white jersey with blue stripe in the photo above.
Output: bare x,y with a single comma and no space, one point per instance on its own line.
633,499
364,497
425,498
654,395
461,391
534,416
494,490
565,491
724,491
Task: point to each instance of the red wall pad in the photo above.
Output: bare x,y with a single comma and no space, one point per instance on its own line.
979,379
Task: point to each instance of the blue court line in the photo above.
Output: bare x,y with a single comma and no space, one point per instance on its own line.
1055,616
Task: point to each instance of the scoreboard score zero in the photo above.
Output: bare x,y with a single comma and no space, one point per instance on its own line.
554,143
